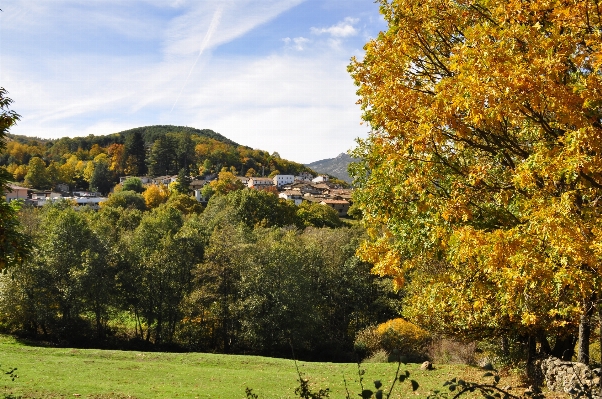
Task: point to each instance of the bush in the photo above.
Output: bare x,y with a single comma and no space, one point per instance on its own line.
406,339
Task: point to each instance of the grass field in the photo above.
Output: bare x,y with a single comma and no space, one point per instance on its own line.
70,373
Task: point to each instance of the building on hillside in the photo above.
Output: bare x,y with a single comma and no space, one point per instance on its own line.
304,177
143,179
244,180
164,179
282,180
199,196
260,182
320,179
290,195
197,184
15,192
341,206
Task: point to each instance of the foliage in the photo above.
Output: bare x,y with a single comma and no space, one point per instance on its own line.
14,246
133,184
125,199
36,176
102,177
155,195
480,177
226,182
317,215
185,204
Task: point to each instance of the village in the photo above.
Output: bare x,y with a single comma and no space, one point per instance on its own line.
304,187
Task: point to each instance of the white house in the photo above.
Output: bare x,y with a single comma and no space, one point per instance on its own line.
260,182
320,179
281,180
290,195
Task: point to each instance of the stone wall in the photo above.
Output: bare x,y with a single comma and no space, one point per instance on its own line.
570,377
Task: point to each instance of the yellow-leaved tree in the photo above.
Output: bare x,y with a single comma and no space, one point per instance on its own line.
481,178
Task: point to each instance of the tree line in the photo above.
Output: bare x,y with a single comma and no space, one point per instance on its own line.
96,162
239,277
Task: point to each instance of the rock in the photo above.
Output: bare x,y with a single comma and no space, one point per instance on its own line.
426,366
488,366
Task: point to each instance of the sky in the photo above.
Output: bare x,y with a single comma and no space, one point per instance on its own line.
268,74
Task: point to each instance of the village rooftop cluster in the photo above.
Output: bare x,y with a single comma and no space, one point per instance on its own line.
300,188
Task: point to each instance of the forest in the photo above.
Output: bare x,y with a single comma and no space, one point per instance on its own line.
97,162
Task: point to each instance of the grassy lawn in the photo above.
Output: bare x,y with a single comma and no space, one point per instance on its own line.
68,373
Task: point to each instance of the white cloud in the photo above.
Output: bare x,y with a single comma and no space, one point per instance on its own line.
342,29
299,103
297,43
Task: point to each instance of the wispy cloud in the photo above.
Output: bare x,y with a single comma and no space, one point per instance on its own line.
297,43
342,29
73,74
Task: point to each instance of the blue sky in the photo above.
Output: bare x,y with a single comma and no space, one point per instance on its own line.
270,74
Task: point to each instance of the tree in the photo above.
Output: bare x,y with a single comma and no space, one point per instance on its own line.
226,182
14,246
125,199
480,175
155,195
36,174
163,158
135,154
102,177
183,182
133,184
318,215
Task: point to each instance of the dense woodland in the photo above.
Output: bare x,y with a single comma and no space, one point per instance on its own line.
96,162
239,277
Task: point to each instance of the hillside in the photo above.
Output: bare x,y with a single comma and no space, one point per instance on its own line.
148,150
336,167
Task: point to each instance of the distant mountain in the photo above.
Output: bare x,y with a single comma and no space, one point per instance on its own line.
336,167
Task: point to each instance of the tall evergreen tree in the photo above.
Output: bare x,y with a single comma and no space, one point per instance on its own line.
162,160
135,148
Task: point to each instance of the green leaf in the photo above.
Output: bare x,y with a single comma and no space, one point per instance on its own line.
415,385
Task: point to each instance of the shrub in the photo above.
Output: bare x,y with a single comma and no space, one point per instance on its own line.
399,335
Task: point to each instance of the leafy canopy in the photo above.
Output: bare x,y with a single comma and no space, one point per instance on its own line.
482,173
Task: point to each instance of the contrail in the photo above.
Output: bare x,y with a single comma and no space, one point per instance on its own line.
212,27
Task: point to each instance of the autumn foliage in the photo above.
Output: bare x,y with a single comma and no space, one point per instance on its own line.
482,174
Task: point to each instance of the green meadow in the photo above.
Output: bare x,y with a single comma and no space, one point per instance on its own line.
45,372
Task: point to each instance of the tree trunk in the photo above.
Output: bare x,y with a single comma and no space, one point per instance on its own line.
564,348
585,332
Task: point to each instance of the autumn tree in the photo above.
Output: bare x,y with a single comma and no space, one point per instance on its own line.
481,174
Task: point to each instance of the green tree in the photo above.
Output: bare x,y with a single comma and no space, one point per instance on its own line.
317,215
36,176
102,178
163,158
13,244
134,147
133,184
183,181
125,199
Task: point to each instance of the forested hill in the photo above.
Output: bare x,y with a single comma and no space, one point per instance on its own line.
151,133
149,150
